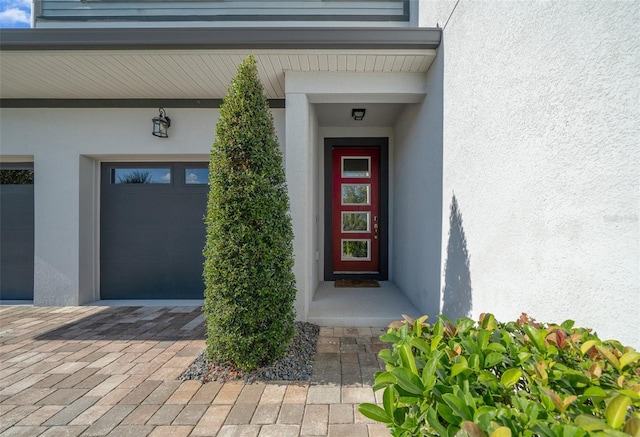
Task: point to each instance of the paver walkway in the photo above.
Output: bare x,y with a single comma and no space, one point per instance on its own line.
95,371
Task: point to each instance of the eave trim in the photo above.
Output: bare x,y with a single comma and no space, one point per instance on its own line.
122,103
219,38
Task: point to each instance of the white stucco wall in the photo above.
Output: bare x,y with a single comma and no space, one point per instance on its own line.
417,194
542,151
316,182
299,172
67,146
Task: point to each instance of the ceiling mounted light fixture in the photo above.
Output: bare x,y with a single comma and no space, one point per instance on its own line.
358,113
161,124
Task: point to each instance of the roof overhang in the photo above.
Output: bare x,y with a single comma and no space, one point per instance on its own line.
194,63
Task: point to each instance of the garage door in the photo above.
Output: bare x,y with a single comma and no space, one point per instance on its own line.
152,230
16,231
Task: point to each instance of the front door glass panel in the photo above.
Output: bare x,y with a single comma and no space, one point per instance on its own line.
355,194
356,167
355,221
355,210
355,250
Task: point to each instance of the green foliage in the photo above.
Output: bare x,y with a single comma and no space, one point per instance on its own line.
136,177
250,287
355,249
354,221
505,379
16,177
355,194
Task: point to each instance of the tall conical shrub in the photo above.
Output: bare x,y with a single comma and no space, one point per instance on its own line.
250,286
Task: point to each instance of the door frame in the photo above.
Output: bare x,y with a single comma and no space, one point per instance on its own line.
383,144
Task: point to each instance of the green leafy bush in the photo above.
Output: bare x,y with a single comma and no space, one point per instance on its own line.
16,177
250,286
500,379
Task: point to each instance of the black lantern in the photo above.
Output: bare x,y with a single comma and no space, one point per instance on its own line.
358,113
161,124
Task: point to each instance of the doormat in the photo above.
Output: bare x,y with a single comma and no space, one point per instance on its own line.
356,283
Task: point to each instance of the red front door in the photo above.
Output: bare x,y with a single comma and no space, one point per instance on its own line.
356,210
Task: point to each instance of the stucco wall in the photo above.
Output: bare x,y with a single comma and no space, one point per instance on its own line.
315,201
299,173
67,146
542,151
417,193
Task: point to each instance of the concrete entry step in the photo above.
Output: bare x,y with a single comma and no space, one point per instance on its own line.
359,307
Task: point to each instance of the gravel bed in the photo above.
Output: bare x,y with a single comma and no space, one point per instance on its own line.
295,365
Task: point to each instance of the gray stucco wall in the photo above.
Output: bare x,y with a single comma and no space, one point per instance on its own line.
542,151
417,194
67,146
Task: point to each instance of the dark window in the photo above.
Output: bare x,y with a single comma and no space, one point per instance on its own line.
356,167
141,176
16,177
196,176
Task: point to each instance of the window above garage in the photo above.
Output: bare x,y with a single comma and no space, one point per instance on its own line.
249,13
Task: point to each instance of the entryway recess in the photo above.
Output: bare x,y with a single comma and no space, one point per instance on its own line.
356,208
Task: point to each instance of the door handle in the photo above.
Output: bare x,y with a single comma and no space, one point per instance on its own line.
375,231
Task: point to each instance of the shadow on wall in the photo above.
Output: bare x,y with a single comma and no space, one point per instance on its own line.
457,294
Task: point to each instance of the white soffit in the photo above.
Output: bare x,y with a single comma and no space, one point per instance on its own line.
180,74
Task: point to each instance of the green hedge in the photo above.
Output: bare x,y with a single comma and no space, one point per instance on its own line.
520,378
250,287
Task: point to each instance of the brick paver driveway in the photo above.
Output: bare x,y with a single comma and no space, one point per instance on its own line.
95,371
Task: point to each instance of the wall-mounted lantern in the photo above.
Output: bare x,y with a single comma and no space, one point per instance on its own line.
358,113
161,124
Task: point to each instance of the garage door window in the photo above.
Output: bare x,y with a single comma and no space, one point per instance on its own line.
141,175
196,176
16,177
